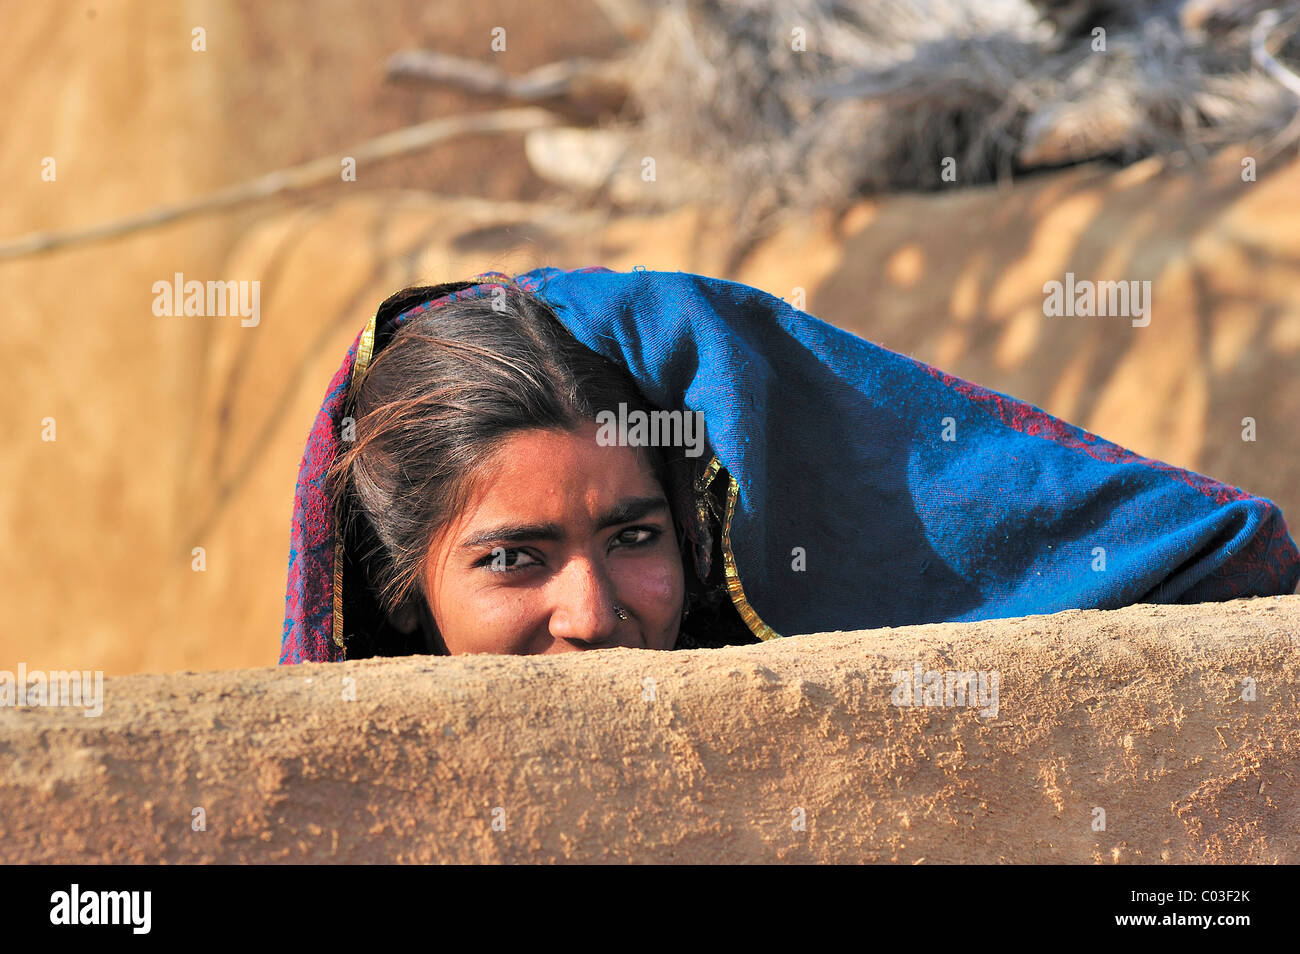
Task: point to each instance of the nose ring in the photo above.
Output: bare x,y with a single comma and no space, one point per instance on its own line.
618,611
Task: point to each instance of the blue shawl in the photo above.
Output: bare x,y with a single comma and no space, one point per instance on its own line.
873,489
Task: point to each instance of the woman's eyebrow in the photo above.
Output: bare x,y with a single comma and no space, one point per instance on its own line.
634,508
513,533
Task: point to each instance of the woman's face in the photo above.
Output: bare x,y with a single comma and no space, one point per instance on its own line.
558,531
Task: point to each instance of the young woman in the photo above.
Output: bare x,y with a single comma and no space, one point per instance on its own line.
587,459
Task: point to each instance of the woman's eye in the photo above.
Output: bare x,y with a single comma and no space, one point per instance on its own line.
507,560
637,536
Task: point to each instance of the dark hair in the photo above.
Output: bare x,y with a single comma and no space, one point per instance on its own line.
436,401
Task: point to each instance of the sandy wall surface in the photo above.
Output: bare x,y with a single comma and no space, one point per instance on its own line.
702,756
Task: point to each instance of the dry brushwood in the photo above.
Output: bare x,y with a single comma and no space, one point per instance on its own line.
885,92
777,107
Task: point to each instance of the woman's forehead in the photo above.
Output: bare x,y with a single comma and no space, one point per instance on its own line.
545,469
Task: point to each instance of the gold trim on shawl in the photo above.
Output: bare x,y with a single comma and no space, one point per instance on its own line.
734,588
365,348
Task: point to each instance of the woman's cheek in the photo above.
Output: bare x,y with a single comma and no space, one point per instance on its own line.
477,619
664,586
661,588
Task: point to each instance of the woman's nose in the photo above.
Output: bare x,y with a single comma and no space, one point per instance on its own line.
583,611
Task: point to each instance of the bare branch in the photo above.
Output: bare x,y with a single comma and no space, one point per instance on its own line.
312,173
1259,35
579,78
